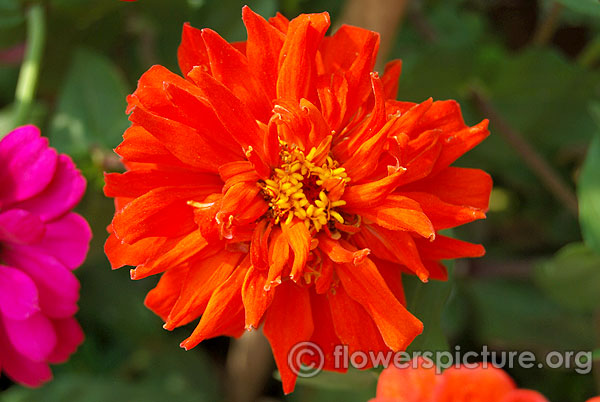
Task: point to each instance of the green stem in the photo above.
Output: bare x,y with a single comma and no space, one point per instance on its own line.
28,76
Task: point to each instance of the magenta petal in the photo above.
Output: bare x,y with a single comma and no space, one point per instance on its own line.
27,164
67,239
33,337
58,288
61,195
18,294
21,227
19,368
70,336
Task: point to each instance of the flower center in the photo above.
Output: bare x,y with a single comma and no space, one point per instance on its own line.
304,187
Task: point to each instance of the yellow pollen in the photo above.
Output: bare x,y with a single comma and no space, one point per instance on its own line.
297,177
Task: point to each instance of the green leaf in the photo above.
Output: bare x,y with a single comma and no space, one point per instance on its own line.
572,277
587,7
10,14
427,302
589,197
91,106
353,379
353,386
517,314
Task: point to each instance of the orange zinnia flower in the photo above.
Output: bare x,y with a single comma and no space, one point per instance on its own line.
419,382
280,183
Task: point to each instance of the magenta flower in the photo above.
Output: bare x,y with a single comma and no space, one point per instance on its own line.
41,242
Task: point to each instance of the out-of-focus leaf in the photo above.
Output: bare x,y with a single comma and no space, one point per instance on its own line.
588,7
589,197
353,379
353,386
91,106
159,376
516,314
6,120
10,14
427,302
572,277
7,117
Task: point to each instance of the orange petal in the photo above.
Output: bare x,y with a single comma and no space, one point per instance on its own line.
288,321
371,193
320,132
162,212
458,143
458,186
334,250
140,146
446,248
120,254
369,127
398,213
256,299
179,253
391,75
442,214
236,172
262,49
526,395
473,384
351,52
232,112
279,252
323,281
420,156
259,249
353,324
163,297
399,245
298,237
440,115
191,51
138,182
237,197
413,383
280,22
436,270
203,280
392,274
296,60
183,142
365,285
365,160
224,314
198,114
324,333
230,67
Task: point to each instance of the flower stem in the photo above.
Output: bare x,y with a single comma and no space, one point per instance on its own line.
28,76
547,27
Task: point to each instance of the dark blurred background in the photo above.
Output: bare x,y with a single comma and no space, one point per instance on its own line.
532,67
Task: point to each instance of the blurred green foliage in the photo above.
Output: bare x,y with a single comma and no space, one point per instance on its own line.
537,289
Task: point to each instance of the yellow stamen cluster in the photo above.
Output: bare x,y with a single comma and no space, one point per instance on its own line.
286,188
